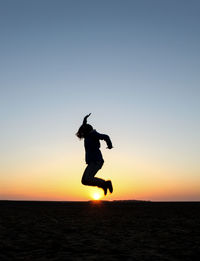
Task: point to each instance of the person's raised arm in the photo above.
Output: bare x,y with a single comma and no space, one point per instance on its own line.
85,119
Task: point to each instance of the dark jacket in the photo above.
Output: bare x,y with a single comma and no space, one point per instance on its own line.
92,146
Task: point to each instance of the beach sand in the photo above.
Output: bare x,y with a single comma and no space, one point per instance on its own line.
99,231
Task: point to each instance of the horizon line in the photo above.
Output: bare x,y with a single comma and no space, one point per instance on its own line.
111,201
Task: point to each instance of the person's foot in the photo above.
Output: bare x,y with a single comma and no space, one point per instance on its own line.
105,189
109,186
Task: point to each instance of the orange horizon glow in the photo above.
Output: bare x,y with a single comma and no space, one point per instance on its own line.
81,193
53,182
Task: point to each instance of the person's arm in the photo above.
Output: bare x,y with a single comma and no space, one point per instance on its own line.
106,138
85,119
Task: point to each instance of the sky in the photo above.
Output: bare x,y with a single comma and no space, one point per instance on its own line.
135,65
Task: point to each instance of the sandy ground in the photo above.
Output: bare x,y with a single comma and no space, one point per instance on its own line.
99,231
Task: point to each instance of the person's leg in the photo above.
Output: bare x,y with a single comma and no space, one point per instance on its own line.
89,173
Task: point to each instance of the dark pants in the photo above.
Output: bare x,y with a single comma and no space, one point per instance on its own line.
89,173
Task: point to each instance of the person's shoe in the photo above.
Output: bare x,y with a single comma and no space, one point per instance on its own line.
109,186
105,189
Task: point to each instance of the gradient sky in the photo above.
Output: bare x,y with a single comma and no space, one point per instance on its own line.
135,65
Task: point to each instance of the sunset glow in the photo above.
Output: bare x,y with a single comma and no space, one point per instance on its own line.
96,196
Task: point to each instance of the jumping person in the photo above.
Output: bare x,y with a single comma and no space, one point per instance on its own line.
93,156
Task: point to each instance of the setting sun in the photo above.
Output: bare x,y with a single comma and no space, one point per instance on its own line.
96,196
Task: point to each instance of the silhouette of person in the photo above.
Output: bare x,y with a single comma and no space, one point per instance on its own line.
93,156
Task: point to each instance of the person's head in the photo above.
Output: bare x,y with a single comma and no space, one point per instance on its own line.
84,130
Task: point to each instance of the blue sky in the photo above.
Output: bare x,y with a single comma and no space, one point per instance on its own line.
133,64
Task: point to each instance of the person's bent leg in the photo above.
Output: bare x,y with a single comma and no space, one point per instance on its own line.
89,173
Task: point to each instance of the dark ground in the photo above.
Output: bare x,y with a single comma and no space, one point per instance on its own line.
99,231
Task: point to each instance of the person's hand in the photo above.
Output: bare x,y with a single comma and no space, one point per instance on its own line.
85,119
87,116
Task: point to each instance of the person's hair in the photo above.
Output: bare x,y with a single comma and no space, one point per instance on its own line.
84,130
